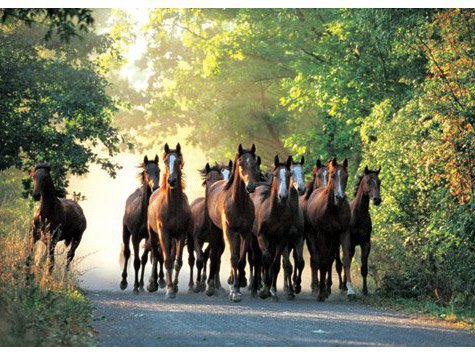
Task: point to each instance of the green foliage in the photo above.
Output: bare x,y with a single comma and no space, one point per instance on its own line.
54,103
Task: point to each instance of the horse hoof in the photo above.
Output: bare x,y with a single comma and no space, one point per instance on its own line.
235,297
264,294
365,292
123,285
329,291
297,289
290,296
210,291
170,294
314,293
351,297
243,282
197,288
321,298
136,291
175,288
254,293
203,278
275,298
342,287
152,287
161,283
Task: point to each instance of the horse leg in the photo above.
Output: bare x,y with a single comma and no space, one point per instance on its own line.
52,246
287,273
142,271
266,263
255,266
365,250
161,275
137,262
152,284
245,241
206,255
250,261
72,251
217,279
126,242
339,268
234,245
199,262
275,271
191,262
312,248
168,258
346,246
178,261
214,257
299,264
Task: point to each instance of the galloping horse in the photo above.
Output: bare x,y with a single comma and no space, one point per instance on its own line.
201,220
296,233
134,222
320,179
231,210
170,220
62,218
367,188
328,215
272,226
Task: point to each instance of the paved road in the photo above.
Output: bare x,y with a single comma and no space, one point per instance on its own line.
124,319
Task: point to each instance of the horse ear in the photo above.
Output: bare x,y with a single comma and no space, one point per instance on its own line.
156,159
178,148
345,163
289,162
334,161
48,166
240,149
319,164
253,148
167,148
230,164
366,170
379,170
276,161
145,159
259,160
302,160
207,168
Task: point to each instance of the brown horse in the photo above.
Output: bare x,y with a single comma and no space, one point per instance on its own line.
231,211
296,233
272,227
201,220
328,218
320,179
62,219
367,188
134,222
170,220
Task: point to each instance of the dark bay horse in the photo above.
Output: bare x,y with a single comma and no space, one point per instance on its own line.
328,215
201,220
169,220
367,189
320,179
231,211
134,222
296,232
272,226
62,218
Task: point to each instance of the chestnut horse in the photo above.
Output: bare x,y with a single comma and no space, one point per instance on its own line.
320,179
169,220
231,211
134,223
57,217
272,227
367,188
296,233
201,220
328,215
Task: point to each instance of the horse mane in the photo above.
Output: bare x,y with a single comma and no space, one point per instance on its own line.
265,193
309,187
44,165
231,178
140,174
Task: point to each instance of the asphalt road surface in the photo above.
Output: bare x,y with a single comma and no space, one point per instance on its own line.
124,319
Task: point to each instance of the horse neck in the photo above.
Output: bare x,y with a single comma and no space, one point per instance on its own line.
330,191
146,193
361,200
238,188
48,198
176,193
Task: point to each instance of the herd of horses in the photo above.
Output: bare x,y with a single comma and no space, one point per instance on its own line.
264,218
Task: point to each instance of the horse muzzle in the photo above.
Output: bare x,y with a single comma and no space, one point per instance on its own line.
37,196
172,183
377,201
